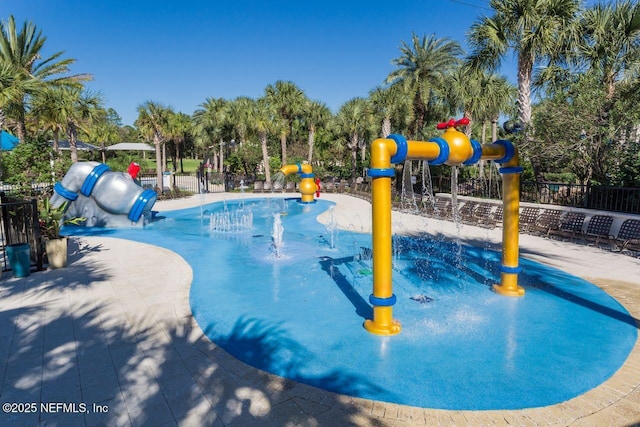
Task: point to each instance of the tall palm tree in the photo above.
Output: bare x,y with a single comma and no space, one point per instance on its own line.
153,122
288,100
390,106
47,108
105,130
210,123
315,114
465,92
611,43
263,125
534,30
422,69
75,109
240,117
179,130
23,49
499,96
354,121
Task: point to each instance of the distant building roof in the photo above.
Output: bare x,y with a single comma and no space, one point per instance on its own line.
130,146
82,146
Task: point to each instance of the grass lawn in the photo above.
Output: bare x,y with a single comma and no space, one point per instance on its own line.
190,165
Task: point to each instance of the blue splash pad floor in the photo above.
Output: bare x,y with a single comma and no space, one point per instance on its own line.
300,316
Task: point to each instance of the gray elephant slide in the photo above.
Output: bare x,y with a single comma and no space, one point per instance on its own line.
105,198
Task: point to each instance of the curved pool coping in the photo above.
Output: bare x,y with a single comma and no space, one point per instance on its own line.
615,402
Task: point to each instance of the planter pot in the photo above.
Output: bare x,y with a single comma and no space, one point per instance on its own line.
56,252
20,259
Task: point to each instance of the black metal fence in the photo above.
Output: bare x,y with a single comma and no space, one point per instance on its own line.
209,182
20,226
618,199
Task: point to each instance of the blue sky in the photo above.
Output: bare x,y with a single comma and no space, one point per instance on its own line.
180,52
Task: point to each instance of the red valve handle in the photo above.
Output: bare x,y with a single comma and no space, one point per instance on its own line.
318,187
452,123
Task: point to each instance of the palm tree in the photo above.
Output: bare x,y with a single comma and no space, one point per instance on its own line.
179,130
611,43
534,30
423,69
241,116
354,121
210,123
105,130
153,121
23,50
263,125
47,108
499,96
288,100
13,84
75,109
390,106
315,114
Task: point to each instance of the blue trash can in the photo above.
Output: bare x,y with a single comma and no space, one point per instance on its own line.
20,259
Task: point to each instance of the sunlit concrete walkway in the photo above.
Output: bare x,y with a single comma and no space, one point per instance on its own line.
113,331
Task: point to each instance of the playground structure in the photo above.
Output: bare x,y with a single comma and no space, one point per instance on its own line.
308,186
105,198
452,148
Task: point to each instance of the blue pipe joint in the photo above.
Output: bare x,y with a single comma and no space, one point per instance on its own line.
509,150
299,167
510,270
63,192
145,198
382,302
92,178
512,169
443,156
477,153
402,148
381,172
306,175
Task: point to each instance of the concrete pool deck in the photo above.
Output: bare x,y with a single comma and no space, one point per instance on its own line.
114,331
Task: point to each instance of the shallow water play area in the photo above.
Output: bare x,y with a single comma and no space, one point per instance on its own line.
289,295
121,315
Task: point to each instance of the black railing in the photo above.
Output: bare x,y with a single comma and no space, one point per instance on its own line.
210,182
618,199
20,226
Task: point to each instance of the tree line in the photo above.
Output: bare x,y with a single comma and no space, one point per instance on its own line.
572,113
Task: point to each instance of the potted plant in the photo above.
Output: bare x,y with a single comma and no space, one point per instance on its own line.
51,220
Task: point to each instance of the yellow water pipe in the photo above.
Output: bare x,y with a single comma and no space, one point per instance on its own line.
452,149
510,268
308,186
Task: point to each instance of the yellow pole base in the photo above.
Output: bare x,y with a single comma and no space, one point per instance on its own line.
509,291
385,330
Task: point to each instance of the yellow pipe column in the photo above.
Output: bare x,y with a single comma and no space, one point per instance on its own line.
510,229
382,297
385,152
505,153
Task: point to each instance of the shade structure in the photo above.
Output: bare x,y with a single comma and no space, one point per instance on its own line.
8,141
130,146
80,146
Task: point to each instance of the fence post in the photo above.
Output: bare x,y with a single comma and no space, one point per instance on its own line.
587,196
37,241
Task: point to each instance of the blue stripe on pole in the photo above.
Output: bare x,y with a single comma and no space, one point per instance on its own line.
382,302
